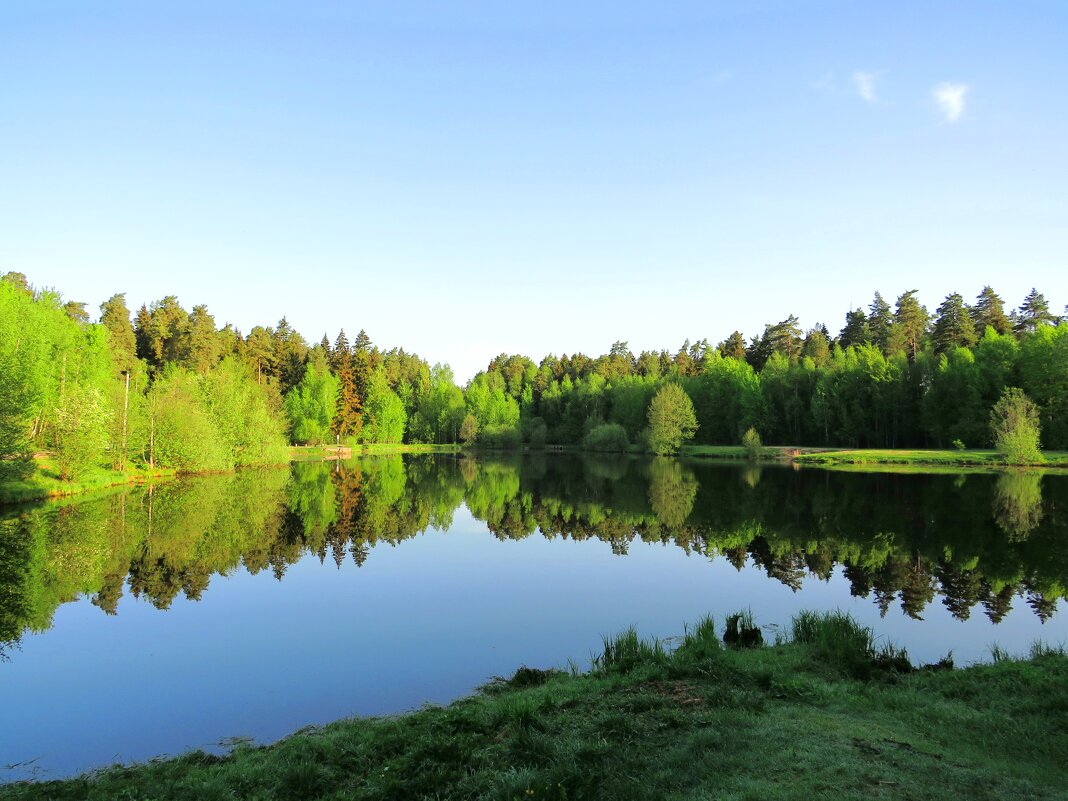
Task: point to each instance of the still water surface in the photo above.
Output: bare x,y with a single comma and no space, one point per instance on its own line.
160,619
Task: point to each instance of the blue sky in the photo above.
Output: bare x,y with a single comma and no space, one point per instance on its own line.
463,179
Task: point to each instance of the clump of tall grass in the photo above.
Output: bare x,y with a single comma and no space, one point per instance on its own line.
1040,649
742,632
519,712
626,651
840,641
999,654
699,643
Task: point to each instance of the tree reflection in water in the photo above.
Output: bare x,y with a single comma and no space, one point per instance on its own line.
977,541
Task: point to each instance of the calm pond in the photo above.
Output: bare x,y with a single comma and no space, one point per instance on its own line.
155,620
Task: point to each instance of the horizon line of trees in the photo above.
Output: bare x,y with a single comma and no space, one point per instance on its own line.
166,387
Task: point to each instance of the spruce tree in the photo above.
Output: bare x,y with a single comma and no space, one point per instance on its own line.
880,322
953,327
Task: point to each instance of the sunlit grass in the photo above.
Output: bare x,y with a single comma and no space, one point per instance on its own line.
45,482
699,720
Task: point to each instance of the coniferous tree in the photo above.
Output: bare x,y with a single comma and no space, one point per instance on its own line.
880,323
989,312
856,330
260,353
1034,312
142,333
201,348
348,421
76,311
290,353
165,333
19,282
127,392
817,345
910,325
363,342
785,338
953,326
115,317
733,347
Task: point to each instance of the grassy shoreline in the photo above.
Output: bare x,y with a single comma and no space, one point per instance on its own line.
45,483
874,457
825,714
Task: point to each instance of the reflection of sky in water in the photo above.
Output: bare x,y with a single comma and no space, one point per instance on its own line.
426,620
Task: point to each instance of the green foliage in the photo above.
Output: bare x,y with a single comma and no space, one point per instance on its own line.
890,380
503,437
671,419
28,328
182,433
440,411
311,405
469,430
537,433
607,437
81,431
752,444
385,418
250,430
1015,426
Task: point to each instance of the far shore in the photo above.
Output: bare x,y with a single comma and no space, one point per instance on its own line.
45,483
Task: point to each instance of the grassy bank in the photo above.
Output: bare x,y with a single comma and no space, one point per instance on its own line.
378,449
869,457
318,453
46,483
825,715
768,453
946,458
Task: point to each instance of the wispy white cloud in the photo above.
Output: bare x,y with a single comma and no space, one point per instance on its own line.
824,84
865,82
950,98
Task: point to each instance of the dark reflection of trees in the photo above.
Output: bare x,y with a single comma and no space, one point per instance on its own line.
899,539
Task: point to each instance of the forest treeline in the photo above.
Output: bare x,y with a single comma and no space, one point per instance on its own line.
977,541
170,388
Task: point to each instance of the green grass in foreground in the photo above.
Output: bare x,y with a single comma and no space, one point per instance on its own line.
825,716
45,482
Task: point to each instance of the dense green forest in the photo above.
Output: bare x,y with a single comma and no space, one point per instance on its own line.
169,388
976,542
